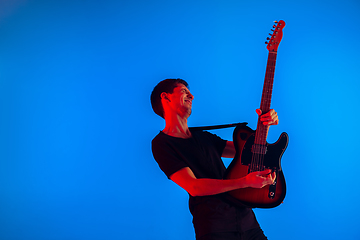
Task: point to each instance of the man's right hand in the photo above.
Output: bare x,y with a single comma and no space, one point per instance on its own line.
260,179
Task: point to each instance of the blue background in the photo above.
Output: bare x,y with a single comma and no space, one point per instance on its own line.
76,121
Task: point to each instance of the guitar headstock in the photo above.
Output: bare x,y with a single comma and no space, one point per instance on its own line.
276,36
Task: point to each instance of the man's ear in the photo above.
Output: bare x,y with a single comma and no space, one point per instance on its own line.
163,95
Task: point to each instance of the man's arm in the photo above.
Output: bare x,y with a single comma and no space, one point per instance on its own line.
186,179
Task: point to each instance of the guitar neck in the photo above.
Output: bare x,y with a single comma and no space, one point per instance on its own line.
261,130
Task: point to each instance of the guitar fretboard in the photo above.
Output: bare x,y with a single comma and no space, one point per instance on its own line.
261,130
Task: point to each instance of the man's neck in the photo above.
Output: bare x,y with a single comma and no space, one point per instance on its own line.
176,126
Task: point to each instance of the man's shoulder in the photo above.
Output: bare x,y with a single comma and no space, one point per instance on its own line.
158,136
161,137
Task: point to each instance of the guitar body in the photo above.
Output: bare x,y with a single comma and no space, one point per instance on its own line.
269,196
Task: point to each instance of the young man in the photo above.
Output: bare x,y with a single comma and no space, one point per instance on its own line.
192,159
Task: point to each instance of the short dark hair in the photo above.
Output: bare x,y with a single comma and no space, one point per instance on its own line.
167,86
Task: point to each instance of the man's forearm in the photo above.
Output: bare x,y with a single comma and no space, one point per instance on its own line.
206,186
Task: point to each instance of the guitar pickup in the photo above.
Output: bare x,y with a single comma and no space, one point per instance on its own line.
259,149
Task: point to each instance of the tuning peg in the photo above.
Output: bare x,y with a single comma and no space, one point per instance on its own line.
266,42
275,21
271,29
267,38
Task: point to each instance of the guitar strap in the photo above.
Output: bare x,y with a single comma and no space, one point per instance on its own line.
216,126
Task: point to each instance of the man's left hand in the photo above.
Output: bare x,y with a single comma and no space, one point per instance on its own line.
269,118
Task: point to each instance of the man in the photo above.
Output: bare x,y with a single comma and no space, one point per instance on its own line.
192,159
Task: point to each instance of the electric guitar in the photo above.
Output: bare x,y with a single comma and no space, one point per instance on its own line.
253,153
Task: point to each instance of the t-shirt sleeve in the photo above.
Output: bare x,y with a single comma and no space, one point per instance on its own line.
167,158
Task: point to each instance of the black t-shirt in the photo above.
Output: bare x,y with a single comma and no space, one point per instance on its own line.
202,154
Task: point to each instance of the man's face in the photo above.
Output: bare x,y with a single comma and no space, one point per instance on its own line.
180,99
